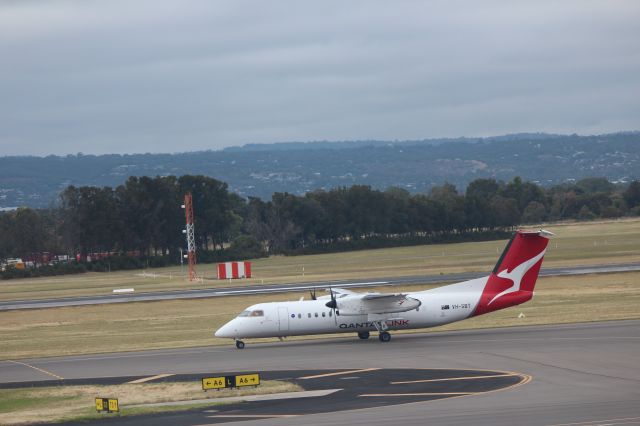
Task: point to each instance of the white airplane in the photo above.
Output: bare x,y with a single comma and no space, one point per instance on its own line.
511,283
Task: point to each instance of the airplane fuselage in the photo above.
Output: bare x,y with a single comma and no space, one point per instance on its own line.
306,317
510,283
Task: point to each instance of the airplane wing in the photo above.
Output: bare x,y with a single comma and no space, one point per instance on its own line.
374,303
342,291
389,303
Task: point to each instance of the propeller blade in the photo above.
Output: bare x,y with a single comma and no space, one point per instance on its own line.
333,305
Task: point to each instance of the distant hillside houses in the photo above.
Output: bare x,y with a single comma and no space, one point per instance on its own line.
298,167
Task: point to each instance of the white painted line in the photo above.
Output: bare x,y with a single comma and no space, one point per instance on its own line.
598,422
36,368
454,378
267,397
253,416
124,290
417,394
148,379
337,373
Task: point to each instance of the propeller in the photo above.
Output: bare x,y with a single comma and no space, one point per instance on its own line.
333,304
313,294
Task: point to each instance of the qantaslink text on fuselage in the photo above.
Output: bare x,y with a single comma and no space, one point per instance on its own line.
394,323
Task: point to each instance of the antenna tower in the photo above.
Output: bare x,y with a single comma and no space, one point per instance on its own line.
191,240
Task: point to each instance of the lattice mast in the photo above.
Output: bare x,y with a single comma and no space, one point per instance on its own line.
189,231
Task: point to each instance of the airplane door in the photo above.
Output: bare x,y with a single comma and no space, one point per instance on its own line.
283,319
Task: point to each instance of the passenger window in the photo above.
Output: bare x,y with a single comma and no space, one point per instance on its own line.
330,313
316,315
324,314
299,316
309,314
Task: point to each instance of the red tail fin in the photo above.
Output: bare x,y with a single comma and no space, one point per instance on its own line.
514,276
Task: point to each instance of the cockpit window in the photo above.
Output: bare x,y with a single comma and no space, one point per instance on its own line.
254,313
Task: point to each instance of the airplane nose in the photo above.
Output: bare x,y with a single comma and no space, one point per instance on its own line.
225,331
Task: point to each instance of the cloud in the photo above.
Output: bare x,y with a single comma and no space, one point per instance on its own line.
146,76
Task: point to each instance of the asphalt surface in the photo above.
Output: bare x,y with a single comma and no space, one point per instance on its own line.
327,391
581,374
241,289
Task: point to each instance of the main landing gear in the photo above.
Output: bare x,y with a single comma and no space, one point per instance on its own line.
382,327
239,344
364,335
384,336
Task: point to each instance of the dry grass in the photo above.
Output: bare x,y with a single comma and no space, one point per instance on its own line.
184,323
187,323
33,405
576,244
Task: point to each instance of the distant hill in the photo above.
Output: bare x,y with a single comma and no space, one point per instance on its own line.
298,167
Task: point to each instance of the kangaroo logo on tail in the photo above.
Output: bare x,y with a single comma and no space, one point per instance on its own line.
516,275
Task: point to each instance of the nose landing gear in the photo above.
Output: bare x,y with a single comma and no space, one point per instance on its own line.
239,344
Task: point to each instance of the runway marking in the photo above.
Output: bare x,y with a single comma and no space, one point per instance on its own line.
525,379
454,378
559,367
254,416
148,379
421,394
338,373
286,288
36,368
597,422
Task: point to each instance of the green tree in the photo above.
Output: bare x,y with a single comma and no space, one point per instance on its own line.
535,212
594,185
586,214
450,207
90,219
632,194
523,192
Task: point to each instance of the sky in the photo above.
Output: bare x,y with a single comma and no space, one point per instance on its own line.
124,76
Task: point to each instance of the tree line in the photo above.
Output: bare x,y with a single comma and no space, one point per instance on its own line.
143,218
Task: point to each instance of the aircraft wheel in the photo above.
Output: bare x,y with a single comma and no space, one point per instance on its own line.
364,335
384,336
239,344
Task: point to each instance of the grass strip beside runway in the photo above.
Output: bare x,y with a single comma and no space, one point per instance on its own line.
189,323
584,243
50,404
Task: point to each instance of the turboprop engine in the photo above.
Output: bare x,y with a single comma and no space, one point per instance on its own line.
372,303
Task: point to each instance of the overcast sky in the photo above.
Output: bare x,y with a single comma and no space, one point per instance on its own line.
110,76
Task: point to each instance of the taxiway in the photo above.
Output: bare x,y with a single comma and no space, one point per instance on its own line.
581,374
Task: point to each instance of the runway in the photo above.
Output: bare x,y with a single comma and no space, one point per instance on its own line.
242,289
582,374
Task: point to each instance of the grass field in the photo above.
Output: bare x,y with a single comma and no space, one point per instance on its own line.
575,244
51,404
185,323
